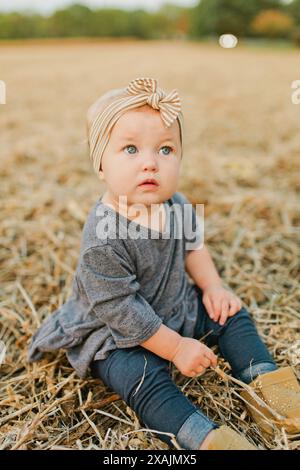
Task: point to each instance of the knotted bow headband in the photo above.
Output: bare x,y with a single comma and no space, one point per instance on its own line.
139,92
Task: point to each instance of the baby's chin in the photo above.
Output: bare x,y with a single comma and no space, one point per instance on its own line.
145,199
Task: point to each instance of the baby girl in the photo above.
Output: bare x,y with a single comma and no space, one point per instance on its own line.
146,289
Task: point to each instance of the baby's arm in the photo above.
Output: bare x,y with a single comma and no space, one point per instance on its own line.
107,281
201,268
219,302
189,355
164,342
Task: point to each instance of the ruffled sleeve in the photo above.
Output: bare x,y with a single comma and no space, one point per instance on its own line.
107,275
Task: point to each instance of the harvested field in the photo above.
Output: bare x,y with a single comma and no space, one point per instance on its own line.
241,159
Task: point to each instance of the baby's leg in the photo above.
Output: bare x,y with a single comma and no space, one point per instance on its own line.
238,341
143,381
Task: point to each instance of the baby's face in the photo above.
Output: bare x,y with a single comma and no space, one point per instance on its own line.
141,147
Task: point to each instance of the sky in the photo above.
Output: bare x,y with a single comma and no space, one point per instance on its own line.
48,6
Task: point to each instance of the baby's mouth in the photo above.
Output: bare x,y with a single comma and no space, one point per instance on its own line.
149,182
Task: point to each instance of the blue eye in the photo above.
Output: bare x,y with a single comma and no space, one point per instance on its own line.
134,147
130,146
167,147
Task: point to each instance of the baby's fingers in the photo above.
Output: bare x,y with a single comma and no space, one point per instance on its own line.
209,307
212,357
194,373
224,312
235,306
205,361
217,306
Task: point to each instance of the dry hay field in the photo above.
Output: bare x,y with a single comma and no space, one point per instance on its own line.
241,160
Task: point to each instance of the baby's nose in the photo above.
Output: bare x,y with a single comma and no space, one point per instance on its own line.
150,163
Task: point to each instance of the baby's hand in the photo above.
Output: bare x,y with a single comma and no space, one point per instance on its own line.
220,303
192,357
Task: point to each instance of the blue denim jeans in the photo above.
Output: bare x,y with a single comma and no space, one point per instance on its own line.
144,382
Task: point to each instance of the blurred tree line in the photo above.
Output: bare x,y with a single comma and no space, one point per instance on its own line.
244,18
247,18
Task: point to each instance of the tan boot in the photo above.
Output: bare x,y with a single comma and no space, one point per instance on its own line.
280,390
225,438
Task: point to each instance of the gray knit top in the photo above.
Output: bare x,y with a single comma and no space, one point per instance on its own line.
129,280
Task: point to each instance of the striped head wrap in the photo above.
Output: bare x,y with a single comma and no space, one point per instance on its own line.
110,107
